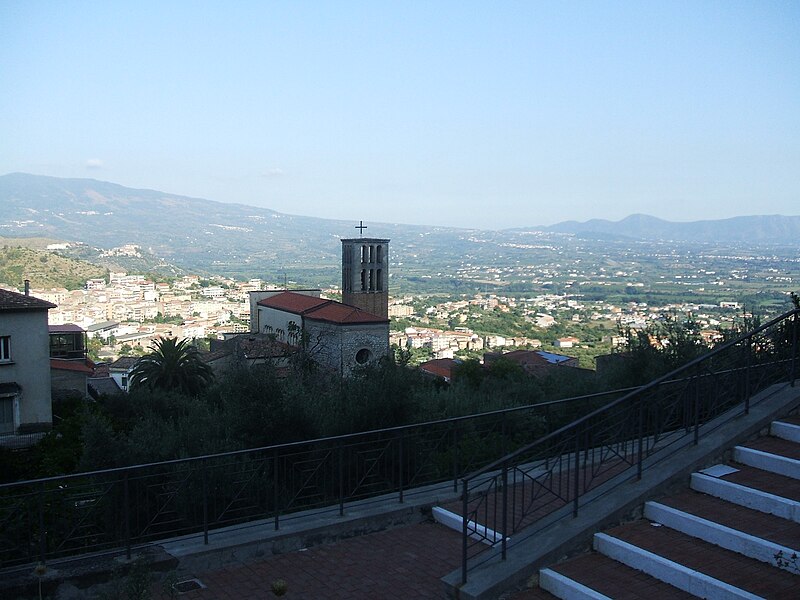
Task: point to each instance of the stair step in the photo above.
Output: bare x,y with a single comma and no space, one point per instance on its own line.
766,481
669,571
750,497
595,576
785,430
771,454
739,518
697,566
724,536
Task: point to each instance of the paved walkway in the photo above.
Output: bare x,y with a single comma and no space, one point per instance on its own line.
406,562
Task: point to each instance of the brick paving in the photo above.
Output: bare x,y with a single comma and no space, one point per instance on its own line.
745,573
406,562
409,562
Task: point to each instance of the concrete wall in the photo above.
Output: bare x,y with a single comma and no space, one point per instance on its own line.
270,320
256,297
30,366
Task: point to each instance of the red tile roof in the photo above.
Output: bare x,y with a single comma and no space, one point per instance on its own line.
336,312
71,365
12,301
440,367
319,309
292,302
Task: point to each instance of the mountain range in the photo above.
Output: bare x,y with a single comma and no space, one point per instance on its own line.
240,240
760,228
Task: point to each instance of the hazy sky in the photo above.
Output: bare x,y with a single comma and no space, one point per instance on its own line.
478,114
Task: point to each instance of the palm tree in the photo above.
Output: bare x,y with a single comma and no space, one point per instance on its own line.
172,365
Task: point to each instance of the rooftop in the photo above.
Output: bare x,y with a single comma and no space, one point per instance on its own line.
124,363
292,302
78,366
14,301
320,309
66,328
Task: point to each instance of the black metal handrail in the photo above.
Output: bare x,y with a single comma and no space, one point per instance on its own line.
118,508
510,494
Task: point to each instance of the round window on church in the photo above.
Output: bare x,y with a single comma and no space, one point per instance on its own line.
363,356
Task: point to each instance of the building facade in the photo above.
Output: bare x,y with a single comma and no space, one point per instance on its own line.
336,335
25,397
365,275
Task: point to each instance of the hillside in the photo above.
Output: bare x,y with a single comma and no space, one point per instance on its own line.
177,233
753,229
44,269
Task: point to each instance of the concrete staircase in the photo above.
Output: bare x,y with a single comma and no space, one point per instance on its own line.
718,539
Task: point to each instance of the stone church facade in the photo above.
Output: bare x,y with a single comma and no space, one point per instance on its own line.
339,335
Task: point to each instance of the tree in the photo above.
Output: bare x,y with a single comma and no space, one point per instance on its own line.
172,365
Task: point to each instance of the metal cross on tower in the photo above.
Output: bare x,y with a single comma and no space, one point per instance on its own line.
361,227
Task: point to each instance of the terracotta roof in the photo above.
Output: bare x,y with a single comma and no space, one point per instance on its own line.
66,328
78,366
320,309
12,301
440,367
336,312
250,346
124,362
536,357
292,302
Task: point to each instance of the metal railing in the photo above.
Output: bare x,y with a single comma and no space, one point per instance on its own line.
507,497
121,508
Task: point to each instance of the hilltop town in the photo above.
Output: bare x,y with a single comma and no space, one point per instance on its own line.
127,312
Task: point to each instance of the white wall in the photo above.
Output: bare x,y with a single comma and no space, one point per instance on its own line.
30,366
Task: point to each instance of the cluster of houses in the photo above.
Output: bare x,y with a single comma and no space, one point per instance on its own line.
122,306
444,344
44,358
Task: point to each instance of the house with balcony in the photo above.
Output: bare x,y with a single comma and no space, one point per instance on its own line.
25,397
70,366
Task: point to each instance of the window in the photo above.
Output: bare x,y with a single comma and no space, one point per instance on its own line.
5,348
363,356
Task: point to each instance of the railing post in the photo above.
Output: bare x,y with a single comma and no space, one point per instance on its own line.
126,515
275,481
340,453
793,373
640,436
748,357
696,410
505,510
464,532
455,458
503,445
400,466
576,475
42,532
204,474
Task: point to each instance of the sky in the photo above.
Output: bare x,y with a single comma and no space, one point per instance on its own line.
468,114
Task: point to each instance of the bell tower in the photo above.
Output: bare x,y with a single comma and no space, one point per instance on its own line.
365,273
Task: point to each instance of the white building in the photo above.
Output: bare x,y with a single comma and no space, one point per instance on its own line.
25,400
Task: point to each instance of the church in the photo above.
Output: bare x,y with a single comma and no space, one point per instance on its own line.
338,335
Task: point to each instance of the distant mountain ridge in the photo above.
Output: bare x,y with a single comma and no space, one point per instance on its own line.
758,228
243,241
